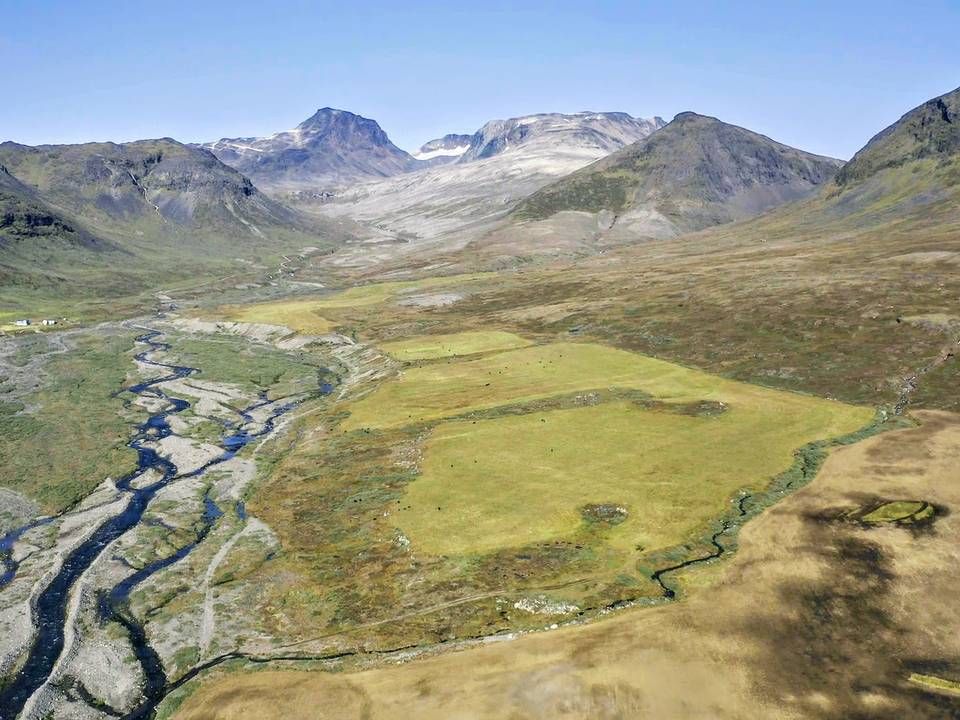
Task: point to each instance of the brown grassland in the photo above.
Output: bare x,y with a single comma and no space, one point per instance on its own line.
815,616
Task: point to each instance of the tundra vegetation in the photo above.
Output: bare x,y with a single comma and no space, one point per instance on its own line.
736,448
386,546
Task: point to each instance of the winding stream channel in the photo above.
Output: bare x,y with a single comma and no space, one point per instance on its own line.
50,606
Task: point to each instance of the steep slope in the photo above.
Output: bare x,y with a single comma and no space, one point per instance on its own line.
325,151
507,160
39,243
158,186
906,180
908,172
105,218
695,172
931,130
25,217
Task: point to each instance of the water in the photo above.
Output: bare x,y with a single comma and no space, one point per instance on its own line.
50,607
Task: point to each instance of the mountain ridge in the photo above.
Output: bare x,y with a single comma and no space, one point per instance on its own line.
695,172
169,209
330,148
608,131
506,161
929,130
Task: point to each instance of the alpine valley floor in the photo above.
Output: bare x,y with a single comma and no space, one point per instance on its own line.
556,469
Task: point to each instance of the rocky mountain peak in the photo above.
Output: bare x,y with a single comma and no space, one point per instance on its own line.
331,147
604,131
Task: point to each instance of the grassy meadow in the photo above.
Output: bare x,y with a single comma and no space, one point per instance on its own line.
498,482
63,439
675,373
299,315
310,315
431,347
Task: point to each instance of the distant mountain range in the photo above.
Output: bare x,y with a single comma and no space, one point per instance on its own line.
698,173
505,161
695,172
113,218
334,149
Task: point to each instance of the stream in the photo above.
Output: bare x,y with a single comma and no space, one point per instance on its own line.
50,606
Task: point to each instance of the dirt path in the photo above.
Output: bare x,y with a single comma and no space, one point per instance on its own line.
209,616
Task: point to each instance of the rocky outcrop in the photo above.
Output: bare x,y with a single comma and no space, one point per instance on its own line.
443,151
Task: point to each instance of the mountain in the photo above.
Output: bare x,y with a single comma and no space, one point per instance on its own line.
154,182
931,130
904,182
327,150
506,160
443,150
695,172
605,132
108,217
35,236
24,216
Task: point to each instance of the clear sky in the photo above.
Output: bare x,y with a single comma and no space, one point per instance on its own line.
823,76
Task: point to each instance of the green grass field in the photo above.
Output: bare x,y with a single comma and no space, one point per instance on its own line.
428,347
304,315
299,315
524,477
442,390
310,315
899,510
73,435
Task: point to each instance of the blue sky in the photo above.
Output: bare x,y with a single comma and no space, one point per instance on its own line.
823,76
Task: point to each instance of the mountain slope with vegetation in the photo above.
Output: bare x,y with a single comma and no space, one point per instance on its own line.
931,130
695,172
105,219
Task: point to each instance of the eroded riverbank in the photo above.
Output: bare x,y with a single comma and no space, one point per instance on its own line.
77,585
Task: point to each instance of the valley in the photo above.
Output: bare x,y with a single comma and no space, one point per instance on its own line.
598,417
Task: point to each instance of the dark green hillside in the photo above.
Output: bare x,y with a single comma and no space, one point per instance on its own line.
931,130
696,172
107,220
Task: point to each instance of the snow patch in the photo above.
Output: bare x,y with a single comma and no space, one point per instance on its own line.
442,152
